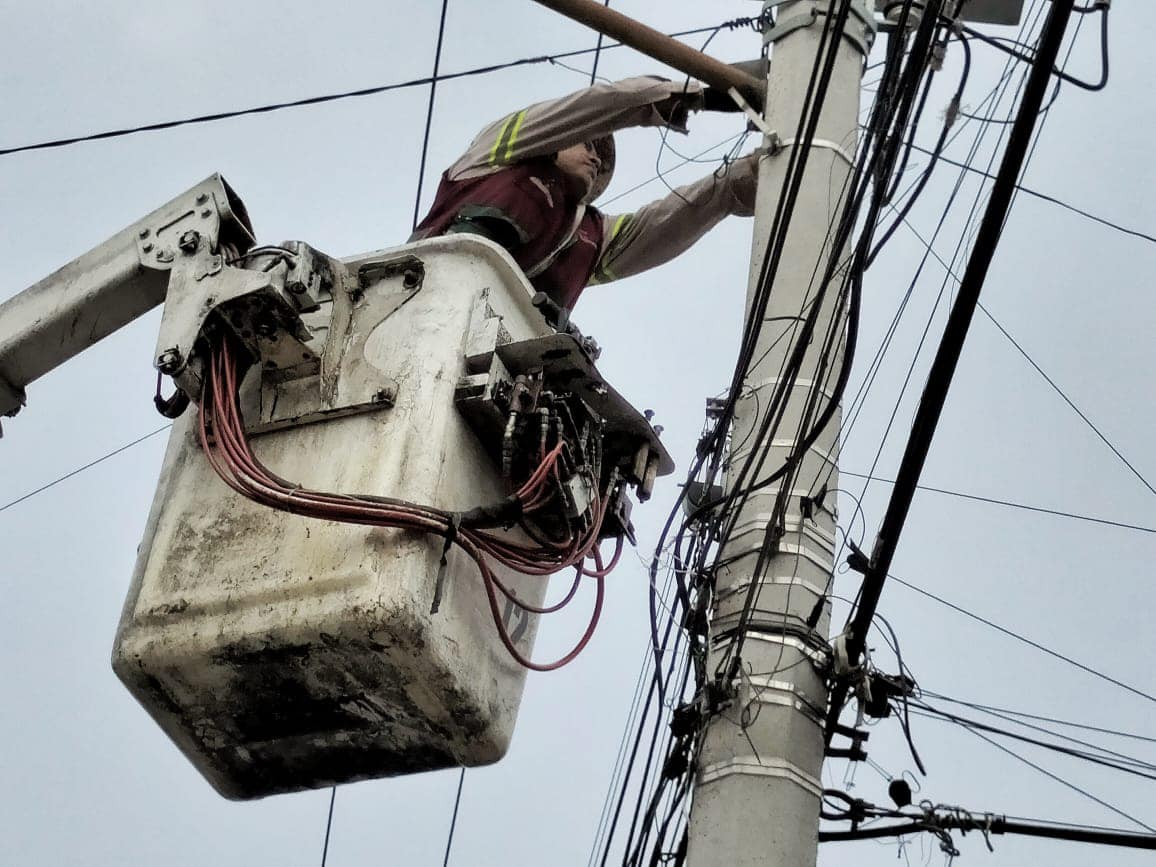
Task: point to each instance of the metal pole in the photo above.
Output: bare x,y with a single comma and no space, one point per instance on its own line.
657,45
758,786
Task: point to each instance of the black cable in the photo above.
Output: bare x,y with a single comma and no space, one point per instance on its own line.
1012,634
1068,400
597,51
1001,88
454,818
973,725
943,367
1010,504
859,401
1125,758
911,78
328,826
655,683
998,93
317,100
1052,199
905,716
1057,778
1002,825
921,184
433,89
722,424
918,63
1051,382
821,74
884,157
87,466
1060,74
655,688
987,708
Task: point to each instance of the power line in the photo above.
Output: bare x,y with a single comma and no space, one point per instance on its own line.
1129,765
87,466
954,819
1068,400
1061,780
454,819
433,89
1010,504
996,96
1135,233
1006,712
328,825
1051,382
317,100
597,52
1012,634
945,362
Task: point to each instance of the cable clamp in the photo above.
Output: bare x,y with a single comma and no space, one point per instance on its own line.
786,28
826,144
455,523
857,560
861,37
840,658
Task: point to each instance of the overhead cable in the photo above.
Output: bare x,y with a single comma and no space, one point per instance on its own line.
1063,782
87,466
1129,766
1008,503
1013,634
1008,712
328,826
454,818
944,365
1002,825
1135,233
1051,382
318,100
597,51
433,89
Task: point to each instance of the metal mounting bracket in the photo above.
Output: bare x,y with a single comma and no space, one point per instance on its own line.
753,116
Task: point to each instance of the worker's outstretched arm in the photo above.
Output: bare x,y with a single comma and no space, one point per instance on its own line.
548,127
660,231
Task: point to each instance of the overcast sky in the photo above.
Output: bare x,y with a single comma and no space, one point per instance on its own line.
87,778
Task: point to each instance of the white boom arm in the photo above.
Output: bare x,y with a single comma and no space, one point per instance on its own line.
112,284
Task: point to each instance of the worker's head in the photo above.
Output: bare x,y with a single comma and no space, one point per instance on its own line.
587,167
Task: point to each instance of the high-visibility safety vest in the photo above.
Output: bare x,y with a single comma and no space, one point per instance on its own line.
554,239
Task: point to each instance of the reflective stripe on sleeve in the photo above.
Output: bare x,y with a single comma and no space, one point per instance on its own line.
602,273
514,135
503,146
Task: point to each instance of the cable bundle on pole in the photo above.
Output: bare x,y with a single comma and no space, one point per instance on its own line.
943,368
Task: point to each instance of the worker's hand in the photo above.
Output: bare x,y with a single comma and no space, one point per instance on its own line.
717,99
675,110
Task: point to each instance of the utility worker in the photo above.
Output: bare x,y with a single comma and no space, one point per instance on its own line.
528,180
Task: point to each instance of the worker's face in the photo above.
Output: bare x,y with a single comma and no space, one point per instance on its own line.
580,164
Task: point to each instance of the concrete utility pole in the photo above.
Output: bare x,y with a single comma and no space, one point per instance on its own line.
757,793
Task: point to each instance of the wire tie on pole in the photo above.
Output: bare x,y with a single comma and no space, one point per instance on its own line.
823,143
